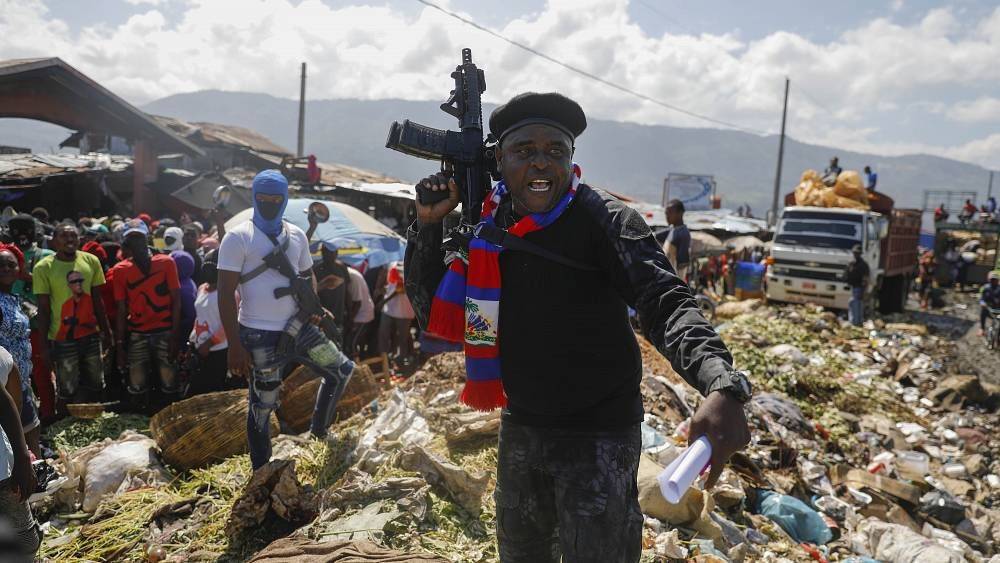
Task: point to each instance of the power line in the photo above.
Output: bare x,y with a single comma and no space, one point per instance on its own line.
662,14
594,77
813,99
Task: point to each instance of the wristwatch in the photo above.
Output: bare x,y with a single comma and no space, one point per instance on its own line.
736,383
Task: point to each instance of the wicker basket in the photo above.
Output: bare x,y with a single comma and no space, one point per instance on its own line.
203,429
86,410
298,396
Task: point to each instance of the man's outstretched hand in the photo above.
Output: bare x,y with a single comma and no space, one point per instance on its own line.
721,419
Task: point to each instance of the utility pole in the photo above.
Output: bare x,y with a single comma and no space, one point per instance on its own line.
989,191
781,156
302,113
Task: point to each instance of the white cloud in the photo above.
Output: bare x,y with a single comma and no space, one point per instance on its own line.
149,2
375,52
981,109
985,151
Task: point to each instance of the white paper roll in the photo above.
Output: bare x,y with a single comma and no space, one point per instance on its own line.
677,477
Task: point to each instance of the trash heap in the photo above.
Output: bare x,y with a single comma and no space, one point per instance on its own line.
865,445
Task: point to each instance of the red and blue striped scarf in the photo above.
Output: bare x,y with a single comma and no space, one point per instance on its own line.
466,306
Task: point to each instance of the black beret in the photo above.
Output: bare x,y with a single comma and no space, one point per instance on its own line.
529,108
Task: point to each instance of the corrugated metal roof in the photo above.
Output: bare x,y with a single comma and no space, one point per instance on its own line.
342,174
18,168
206,133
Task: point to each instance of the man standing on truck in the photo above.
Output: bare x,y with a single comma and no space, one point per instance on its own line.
856,275
871,179
832,171
940,214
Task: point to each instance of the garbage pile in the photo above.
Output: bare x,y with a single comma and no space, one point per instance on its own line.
865,447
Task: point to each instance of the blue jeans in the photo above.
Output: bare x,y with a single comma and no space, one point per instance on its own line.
311,349
856,309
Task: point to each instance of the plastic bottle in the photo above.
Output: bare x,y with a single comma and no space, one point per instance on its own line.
912,465
954,470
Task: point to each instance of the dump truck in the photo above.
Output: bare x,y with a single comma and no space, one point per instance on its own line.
812,247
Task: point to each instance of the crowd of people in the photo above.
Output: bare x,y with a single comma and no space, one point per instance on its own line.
125,311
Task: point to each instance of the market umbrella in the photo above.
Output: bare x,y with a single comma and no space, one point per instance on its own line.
703,243
377,244
744,242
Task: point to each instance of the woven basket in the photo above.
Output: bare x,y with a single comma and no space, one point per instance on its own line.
203,429
298,396
86,410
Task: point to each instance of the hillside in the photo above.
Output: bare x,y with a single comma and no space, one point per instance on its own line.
626,157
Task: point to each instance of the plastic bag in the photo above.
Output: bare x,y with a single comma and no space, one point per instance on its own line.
802,523
849,186
942,506
894,543
107,469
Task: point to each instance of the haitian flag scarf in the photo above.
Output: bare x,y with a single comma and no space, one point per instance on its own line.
466,306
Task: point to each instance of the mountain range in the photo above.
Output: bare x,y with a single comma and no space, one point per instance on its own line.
628,158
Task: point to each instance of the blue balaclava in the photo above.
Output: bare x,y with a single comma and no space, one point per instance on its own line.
267,216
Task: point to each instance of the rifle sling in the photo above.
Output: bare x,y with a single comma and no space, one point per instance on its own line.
500,237
263,267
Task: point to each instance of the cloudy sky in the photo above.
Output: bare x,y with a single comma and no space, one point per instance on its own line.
891,77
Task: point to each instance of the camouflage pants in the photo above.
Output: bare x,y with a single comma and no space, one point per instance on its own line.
568,493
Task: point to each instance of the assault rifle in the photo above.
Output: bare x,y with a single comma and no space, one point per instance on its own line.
301,289
463,152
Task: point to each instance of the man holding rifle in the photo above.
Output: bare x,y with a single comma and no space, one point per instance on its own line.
268,259
544,319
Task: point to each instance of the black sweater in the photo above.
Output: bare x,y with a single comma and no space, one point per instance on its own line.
568,355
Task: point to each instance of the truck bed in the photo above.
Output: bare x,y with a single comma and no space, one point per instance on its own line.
899,249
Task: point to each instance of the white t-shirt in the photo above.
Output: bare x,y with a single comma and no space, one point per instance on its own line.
359,292
6,451
397,305
208,322
242,250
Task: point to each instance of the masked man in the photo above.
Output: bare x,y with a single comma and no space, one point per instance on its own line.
547,338
268,260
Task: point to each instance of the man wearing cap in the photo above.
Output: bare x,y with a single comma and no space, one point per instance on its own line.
332,283
856,275
147,291
267,318
548,339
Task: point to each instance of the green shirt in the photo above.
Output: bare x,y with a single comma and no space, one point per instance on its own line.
31,258
72,311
